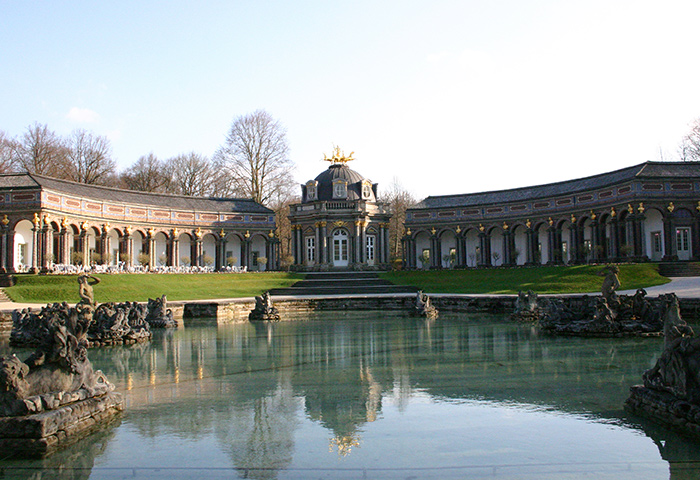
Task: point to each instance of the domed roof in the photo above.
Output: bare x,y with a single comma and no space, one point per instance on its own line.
339,171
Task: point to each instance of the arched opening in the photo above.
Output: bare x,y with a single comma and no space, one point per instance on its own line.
654,239
339,251
423,250
208,251
23,246
520,244
185,250
471,244
257,252
448,249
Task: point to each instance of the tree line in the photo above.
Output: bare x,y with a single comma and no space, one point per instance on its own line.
253,162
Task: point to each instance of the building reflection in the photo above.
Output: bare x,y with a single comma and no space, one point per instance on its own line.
250,385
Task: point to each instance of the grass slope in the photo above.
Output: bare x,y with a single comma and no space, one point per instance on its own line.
141,287
557,280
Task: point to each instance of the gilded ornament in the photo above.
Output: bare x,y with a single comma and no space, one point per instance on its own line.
505,226
550,221
528,223
433,231
338,157
175,232
408,231
271,234
339,223
630,208
613,212
84,226
640,208
481,228
64,222
128,229
36,220
573,218
5,220
222,234
247,234
593,215
671,207
151,231
458,230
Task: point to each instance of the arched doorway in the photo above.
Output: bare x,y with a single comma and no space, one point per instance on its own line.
340,248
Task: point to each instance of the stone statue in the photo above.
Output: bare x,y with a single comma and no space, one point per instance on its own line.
526,308
159,316
56,381
85,283
611,282
264,310
423,306
670,393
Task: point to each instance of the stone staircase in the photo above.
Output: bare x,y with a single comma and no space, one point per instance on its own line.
342,283
679,269
4,297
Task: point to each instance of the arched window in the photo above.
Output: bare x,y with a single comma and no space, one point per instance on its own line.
340,189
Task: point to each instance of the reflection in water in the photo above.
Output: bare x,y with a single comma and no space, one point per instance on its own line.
385,392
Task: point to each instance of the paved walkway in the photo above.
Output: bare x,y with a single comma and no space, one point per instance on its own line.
683,287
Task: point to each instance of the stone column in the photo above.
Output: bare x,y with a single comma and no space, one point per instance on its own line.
324,242
461,245
246,260
174,249
46,239
574,247
670,247
151,246
435,250
484,248
105,245
128,242
7,246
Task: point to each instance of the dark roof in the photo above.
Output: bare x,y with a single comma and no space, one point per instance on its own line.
131,197
647,170
339,171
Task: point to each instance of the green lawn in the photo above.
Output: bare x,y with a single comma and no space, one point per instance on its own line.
141,287
577,279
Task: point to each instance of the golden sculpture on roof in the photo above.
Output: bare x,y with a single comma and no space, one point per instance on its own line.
338,156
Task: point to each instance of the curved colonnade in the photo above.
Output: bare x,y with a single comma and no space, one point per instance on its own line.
47,222
645,212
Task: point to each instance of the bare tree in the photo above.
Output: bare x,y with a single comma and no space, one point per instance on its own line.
90,158
399,200
7,148
40,151
148,174
191,174
689,149
253,161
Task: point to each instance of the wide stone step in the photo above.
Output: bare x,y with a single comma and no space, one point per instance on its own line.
334,290
680,269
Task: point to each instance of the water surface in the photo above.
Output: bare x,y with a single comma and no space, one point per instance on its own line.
373,395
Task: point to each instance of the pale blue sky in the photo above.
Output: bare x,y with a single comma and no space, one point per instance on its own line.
447,96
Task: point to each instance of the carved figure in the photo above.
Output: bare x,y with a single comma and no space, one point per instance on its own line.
677,370
264,310
423,307
158,315
611,282
526,308
85,283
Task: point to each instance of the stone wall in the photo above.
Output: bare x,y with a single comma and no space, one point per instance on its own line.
238,310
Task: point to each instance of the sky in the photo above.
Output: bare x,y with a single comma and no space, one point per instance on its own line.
442,97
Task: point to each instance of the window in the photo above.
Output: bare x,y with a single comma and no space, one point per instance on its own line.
366,191
311,191
370,248
340,189
656,241
310,249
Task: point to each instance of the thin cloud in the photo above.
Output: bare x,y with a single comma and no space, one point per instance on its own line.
82,115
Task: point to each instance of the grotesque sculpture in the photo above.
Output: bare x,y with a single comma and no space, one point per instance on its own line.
264,310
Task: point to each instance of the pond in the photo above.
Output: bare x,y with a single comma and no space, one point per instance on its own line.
373,395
